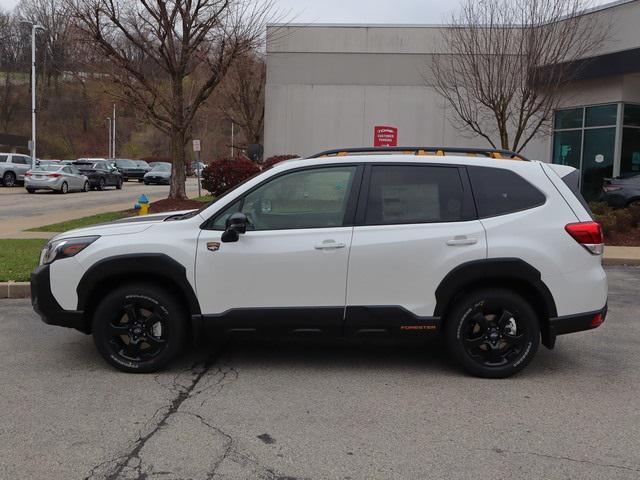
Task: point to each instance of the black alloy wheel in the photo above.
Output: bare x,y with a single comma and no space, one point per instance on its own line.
101,184
139,328
119,184
493,333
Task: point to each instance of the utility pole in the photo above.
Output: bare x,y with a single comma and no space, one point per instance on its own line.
232,139
113,134
34,28
109,145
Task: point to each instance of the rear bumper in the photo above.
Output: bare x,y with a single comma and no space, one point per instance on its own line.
577,323
45,304
43,184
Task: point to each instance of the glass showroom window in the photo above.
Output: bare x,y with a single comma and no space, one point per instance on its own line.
630,158
585,138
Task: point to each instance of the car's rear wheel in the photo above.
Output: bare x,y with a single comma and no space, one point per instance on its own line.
64,188
101,184
31,190
85,187
493,333
119,184
139,180
9,179
139,328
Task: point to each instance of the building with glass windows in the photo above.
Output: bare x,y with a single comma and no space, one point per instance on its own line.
330,86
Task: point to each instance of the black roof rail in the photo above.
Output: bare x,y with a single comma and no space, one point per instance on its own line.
437,151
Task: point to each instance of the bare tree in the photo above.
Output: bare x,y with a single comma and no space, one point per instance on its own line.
10,55
505,61
168,56
244,104
54,16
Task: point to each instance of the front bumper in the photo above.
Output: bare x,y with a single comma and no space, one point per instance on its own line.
45,304
577,323
159,180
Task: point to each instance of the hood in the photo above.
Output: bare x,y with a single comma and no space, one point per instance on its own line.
126,226
156,173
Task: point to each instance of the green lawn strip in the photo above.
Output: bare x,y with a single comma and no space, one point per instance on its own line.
81,222
204,198
18,258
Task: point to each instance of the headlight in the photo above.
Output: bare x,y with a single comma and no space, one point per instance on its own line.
64,248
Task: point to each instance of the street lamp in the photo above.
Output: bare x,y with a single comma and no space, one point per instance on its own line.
109,124
34,28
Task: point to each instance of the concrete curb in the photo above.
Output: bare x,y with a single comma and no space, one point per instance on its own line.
15,290
628,262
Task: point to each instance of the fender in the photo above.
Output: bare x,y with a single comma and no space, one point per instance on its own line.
505,270
139,266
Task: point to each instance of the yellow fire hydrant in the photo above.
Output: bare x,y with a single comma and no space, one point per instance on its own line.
143,205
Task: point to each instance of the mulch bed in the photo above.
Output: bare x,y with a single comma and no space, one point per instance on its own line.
630,238
169,205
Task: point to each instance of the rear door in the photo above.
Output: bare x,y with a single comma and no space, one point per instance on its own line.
22,165
415,224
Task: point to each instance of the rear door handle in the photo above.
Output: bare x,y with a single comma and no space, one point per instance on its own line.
329,245
461,240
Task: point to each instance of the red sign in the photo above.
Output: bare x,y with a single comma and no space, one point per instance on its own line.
385,136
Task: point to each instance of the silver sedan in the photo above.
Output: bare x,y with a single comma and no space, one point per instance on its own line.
57,178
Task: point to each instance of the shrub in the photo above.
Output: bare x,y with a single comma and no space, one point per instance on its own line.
616,220
225,173
271,161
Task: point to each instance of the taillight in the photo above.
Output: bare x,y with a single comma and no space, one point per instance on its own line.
53,175
597,320
587,234
28,174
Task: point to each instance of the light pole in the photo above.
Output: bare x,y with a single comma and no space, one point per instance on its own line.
109,125
34,28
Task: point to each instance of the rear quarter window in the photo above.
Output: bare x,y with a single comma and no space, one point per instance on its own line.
498,192
573,182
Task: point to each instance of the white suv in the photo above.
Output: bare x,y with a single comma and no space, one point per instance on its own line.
492,251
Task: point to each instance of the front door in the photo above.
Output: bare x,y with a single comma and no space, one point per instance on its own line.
415,224
288,271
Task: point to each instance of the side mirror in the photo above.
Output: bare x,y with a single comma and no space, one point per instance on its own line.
236,224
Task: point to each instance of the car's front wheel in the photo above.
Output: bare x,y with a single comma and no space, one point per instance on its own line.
119,184
85,187
9,179
493,333
101,184
139,328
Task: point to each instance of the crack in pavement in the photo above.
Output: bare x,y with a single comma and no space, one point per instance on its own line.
558,457
183,393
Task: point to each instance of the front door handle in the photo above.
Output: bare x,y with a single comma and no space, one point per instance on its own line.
461,240
329,245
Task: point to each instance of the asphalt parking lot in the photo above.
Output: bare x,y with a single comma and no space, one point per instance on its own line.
284,410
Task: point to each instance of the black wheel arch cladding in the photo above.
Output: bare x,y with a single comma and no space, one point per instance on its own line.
148,267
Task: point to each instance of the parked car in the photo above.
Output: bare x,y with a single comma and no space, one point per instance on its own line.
13,166
101,174
57,178
497,255
621,192
160,174
196,168
129,169
142,164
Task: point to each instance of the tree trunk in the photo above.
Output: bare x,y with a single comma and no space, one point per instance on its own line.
178,170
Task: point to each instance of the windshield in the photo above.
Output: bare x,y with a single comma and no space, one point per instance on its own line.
161,167
48,168
142,163
125,163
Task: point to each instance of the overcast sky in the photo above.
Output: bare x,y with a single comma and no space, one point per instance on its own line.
353,11
357,11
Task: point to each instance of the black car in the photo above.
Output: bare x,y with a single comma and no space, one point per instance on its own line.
622,191
101,174
130,169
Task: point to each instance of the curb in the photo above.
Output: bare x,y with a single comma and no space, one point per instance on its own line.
15,290
627,262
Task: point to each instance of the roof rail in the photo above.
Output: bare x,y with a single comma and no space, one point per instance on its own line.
437,151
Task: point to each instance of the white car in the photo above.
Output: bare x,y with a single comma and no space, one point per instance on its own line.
495,255
13,166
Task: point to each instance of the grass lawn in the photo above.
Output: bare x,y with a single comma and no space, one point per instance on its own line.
81,222
204,198
18,258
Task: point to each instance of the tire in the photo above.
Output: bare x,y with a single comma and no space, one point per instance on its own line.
64,188
9,179
101,185
122,336
146,183
85,187
492,333
119,185
31,190
139,180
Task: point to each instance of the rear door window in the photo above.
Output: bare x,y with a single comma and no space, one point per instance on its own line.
409,194
19,160
498,192
3,158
